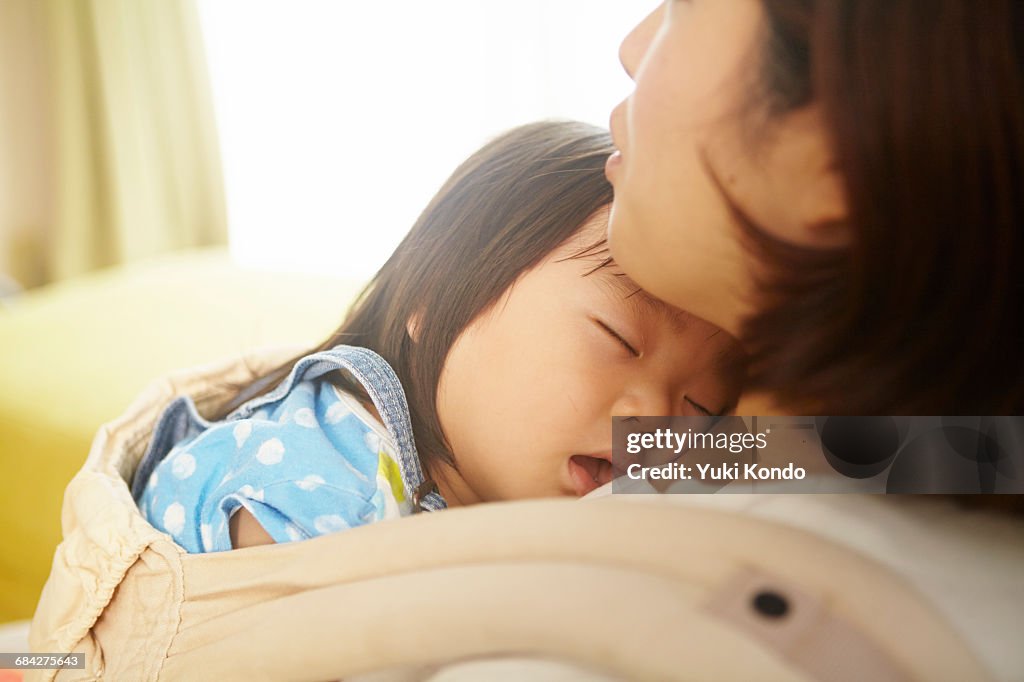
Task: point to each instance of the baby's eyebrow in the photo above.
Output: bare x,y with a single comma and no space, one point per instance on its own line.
642,302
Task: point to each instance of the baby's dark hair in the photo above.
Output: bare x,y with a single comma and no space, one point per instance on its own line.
500,213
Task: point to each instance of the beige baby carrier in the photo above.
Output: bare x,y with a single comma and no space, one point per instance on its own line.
623,587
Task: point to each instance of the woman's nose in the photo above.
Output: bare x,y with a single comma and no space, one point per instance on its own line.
634,46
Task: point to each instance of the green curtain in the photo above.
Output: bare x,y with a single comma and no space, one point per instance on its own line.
135,166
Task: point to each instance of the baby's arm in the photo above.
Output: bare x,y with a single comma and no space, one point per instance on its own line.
246,531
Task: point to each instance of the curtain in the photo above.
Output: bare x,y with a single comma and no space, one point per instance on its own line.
123,157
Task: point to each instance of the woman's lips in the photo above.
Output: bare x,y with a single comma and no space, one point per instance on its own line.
614,120
589,472
613,162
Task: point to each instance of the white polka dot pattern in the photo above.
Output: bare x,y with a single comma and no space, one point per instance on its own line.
304,466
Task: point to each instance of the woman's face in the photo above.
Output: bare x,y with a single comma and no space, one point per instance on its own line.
683,148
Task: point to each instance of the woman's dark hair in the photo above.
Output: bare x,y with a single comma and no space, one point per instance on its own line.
922,314
502,211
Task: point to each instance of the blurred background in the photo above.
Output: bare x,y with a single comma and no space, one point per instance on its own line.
183,181
340,120
305,134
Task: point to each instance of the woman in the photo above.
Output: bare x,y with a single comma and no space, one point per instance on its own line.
840,184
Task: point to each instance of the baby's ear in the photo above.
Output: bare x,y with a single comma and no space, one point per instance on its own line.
412,327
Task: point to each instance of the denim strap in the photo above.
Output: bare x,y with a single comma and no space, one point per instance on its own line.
372,372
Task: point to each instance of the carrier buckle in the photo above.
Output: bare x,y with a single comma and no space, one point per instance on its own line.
421,491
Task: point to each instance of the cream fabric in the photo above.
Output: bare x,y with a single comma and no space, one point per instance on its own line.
637,591
968,564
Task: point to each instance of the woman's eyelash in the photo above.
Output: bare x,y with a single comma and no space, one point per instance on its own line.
618,337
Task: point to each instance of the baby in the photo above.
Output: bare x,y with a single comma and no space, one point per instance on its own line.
483,362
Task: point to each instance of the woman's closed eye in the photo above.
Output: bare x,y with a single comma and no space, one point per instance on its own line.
618,338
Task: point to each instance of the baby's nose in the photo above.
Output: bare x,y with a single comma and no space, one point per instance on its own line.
645,402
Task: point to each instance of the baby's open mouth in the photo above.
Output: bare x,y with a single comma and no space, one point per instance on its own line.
588,473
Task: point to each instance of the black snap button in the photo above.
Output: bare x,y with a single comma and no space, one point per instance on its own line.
770,604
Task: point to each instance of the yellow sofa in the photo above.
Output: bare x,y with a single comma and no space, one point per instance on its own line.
75,354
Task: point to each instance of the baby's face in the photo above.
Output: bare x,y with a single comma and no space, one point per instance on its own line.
529,388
